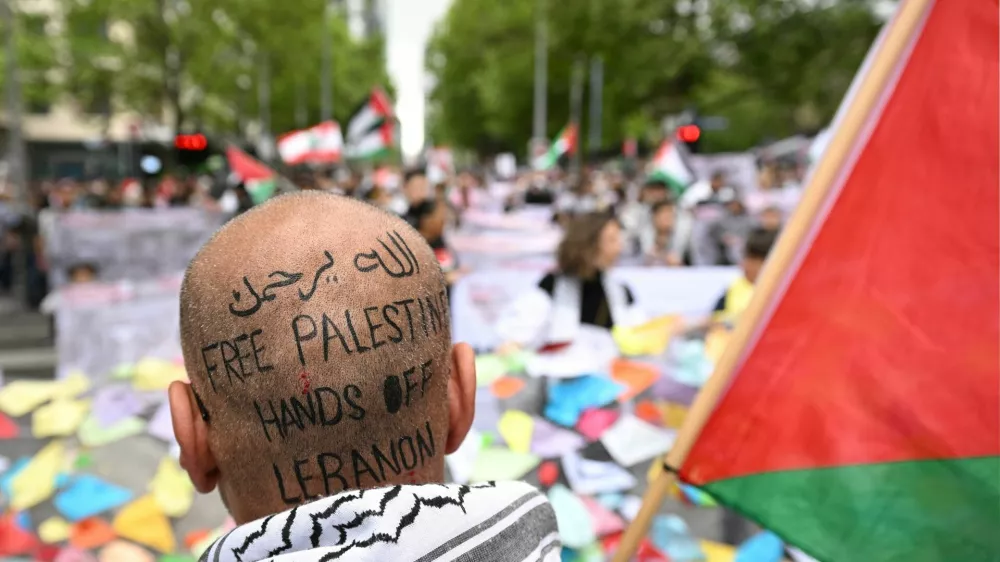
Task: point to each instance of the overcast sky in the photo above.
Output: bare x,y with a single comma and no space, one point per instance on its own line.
408,27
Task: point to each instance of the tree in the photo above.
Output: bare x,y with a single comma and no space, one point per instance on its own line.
201,62
35,57
758,62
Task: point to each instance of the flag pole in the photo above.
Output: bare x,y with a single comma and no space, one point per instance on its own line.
883,65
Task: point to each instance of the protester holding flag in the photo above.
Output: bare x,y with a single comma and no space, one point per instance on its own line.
578,292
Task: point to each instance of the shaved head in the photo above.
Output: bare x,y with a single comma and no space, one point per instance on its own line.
316,336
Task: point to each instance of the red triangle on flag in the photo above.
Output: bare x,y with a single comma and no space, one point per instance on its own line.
247,167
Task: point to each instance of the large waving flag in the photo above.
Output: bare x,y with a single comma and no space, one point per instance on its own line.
565,143
857,412
321,144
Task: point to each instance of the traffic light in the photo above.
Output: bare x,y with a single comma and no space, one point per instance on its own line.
191,150
690,135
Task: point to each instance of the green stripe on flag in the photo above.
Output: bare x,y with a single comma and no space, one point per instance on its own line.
913,511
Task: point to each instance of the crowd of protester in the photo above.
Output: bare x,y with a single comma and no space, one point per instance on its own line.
707,224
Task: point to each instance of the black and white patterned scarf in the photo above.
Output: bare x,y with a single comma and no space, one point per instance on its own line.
504,521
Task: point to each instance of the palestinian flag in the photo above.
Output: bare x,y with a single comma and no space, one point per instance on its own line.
861,418
376,144
565,143
670,166
371,131
321,144
260,181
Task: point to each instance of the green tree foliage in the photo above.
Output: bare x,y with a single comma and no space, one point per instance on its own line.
36,56
772,67
202,62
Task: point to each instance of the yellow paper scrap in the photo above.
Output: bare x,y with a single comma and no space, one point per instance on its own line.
143,521
37,481
59,418
717,552
72,386
673,414
93,434
156,374
516,428
715,343
172,488
121,551
53,530
20,397
650,338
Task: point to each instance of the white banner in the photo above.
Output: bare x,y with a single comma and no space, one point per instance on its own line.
740,169
478,299
134,244
102,325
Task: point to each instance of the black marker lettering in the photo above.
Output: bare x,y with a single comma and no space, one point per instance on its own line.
392,392
426,446
423,316
273,420
425,376
352,392
385,314
327,325
261,367
402,452
376,343
354,335
381,460
302,411
228,359
409,317
319,272
410,385
239,355
361,466
327,474
302,479
301,337
281,488
209,368
323,406
435,313
236,297
289,417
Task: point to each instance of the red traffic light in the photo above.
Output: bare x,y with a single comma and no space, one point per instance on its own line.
191,142
689,133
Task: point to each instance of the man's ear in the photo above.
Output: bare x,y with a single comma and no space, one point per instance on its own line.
191,431
461,395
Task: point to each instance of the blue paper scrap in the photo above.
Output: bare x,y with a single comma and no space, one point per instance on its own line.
568,399
762,547
89,495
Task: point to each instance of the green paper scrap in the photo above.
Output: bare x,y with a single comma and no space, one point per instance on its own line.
488,439
517,362
489,368
123,371
91,434
177,558
497,464
83,460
